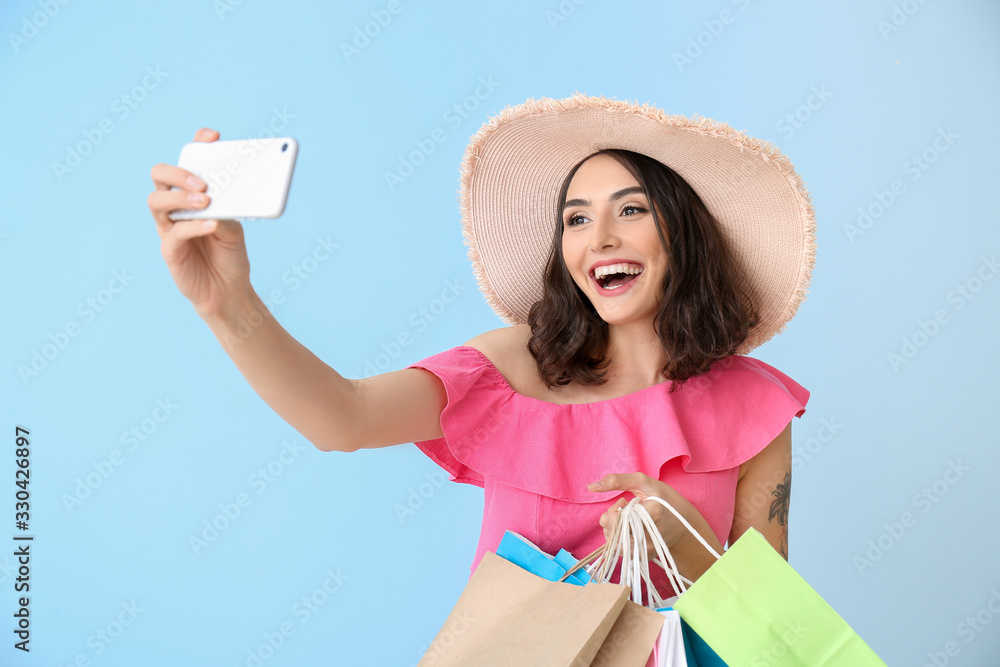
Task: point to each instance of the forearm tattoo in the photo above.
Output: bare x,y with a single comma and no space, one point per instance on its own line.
779,510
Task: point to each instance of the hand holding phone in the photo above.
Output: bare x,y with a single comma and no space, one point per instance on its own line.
247,178
207,258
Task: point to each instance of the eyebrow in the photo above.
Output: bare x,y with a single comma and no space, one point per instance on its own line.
635,189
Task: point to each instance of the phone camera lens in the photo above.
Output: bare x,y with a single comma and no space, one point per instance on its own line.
284,147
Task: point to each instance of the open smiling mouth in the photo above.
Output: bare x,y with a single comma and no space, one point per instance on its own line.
614,276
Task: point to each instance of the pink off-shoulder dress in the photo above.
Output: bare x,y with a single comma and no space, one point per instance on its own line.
534,458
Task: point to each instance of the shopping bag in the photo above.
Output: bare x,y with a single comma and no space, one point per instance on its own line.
521,551
507,616
752,608
628,541
565,560
669,650
699,654
631,638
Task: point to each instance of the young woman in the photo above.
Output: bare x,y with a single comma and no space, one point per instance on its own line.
638,257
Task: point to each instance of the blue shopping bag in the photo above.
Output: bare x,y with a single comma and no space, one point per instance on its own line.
699,654
521,551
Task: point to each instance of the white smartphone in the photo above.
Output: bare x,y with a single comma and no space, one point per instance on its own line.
247,179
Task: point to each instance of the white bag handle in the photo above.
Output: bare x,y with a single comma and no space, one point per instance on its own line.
628,541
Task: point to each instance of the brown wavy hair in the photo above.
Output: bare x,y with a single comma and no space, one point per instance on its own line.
703,314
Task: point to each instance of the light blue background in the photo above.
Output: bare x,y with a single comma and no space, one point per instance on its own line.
886,94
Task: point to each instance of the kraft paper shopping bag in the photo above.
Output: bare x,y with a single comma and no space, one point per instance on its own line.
632,638
634,633
508,617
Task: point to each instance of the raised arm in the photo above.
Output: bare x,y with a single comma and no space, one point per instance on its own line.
333,412
209,264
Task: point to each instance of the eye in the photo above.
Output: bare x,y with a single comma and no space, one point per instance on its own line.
637,210
575,220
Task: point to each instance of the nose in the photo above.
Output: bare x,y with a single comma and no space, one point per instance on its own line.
602,234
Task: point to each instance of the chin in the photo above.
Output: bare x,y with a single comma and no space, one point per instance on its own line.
621,319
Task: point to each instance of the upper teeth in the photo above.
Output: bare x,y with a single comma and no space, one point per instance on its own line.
608,269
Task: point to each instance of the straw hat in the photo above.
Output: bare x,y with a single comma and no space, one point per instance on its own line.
515,164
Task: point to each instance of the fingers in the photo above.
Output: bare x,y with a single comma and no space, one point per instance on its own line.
206,134
634,481
166,176
610,517
182,231
640,484
611,514
177,188
162,202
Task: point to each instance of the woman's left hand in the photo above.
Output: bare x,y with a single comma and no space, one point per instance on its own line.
644,486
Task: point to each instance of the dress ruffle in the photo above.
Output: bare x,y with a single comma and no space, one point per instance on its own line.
716,421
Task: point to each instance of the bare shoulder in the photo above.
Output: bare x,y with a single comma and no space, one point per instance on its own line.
507,349
502,341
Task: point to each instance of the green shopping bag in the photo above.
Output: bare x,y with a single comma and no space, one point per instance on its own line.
753,609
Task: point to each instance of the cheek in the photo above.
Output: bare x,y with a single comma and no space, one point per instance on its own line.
660,261
571,258
660,270
568,247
